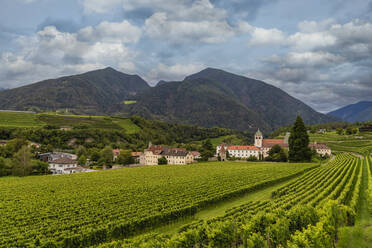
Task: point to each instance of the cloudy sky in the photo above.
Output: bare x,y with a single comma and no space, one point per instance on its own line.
318,51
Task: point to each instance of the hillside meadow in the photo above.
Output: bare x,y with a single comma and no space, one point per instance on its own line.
31,120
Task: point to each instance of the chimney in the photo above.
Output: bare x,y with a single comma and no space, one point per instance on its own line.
150,144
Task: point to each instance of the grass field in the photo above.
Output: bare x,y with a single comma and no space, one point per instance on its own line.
129,102
14,119
95,207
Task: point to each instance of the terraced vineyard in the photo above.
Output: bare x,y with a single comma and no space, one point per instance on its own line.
304,213
88,209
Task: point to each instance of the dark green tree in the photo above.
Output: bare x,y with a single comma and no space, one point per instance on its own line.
299,150
349,130
339,131
277,154
4,171
40,167
162,160
125,157
22,165
107,156
82,160
207,150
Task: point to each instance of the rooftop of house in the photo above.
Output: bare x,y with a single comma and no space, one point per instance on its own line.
316,145
136,154
63,161
167,151
273,142
249,148
116,151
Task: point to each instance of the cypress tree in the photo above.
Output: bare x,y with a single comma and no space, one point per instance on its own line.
299,150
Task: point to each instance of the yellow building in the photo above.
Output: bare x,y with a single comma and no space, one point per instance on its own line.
151,155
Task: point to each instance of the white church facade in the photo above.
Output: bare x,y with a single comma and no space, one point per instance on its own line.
261,147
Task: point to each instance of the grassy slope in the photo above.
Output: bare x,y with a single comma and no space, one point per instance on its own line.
13,119
28,120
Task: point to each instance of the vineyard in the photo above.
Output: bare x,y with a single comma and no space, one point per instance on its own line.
361,144
306,212
88,209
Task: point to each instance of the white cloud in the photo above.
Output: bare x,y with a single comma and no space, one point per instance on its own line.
51,53
111,32
173,72
261,36
310,41
306,59
98,6
314,27
159,26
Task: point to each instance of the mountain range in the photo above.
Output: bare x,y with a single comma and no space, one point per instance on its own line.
361,111
208,98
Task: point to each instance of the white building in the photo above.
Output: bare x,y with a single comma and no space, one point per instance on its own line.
261,147
240,151
64,166
321,148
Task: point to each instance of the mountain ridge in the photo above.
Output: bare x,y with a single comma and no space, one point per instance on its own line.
88,92
360,111
211,97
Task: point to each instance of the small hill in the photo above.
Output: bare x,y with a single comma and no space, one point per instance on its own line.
89,93
361,111
216,97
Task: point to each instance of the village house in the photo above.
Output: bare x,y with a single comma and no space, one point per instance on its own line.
136,156
51,156
35,145
321,148
3,142
196,155
175,156
115,153
64,166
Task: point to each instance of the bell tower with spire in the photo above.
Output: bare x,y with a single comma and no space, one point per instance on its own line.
258,137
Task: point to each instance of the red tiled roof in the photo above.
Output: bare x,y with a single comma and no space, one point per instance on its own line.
116,151
273,142
195,153
136,154
318,146
243,148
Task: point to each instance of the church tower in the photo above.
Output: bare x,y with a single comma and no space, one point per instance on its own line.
258,137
